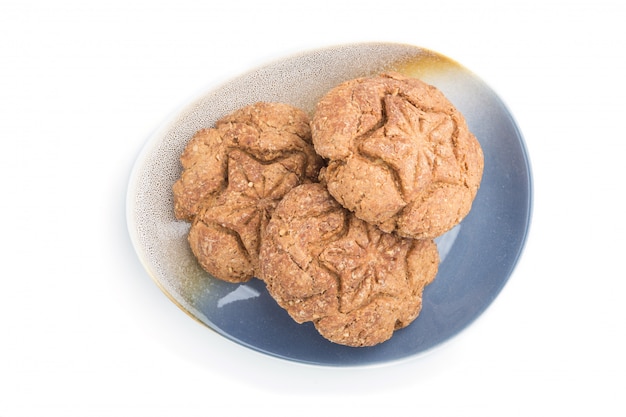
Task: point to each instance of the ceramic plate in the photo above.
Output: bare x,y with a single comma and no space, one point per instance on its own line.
478,255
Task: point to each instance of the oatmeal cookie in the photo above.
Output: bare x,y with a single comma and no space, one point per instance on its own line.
400,154
355,283
233,176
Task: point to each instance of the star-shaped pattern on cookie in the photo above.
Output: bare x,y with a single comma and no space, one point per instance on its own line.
368,262
252,191
416,144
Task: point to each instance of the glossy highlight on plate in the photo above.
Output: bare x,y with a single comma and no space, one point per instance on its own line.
477,256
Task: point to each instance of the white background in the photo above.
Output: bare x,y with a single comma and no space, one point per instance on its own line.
85,332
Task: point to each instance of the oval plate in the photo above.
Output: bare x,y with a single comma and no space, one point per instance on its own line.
478,255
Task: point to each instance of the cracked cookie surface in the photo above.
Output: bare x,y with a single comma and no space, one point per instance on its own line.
355,283
233,176
400,154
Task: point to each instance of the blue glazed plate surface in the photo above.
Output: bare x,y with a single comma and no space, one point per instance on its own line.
478,256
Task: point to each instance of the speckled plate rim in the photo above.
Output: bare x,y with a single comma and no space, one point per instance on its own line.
200,317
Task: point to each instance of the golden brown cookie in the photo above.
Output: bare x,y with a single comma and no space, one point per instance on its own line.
233,176
400,154
355,283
